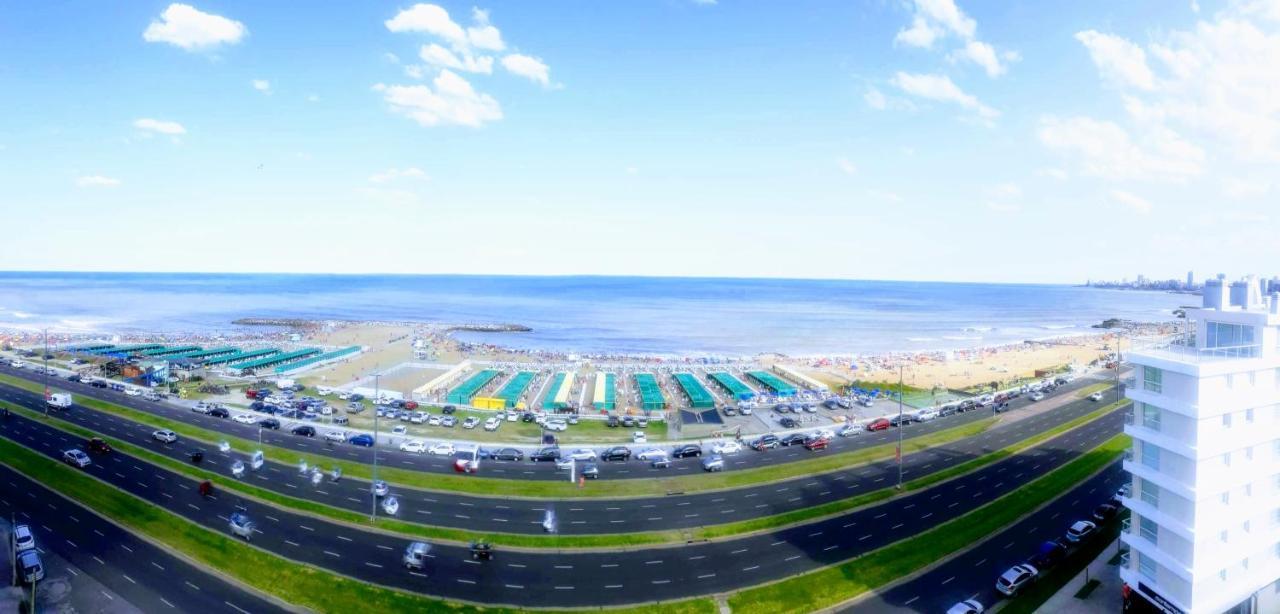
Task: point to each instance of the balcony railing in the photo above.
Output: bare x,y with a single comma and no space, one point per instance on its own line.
1128,418
1124,524
1182,348
1124,559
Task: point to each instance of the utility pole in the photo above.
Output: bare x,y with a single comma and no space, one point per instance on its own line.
45,358
373,494
900,426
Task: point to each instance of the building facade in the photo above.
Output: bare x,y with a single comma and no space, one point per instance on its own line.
1204,495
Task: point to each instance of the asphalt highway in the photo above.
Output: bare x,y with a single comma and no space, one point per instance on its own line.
583,578
146,576
973,574
391,455
590,516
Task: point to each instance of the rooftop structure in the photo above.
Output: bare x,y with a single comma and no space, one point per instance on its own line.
699,396
732,385
468,389
774,383
606,392
511,391
558,392
1204,533
650,392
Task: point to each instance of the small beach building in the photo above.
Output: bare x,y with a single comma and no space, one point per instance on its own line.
468,389
441,381
606,392
699,396
171,350
773,383
733,385
650,392
557,396
267,362
511,391
205,354
317,359
800,378
240,356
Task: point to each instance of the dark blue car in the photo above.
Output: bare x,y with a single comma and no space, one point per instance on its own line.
362,440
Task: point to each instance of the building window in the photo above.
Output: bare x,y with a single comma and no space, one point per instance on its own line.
1226,459
1248,490
1226,421
1223,536
1148,529
1151,417
1245,563
1248,453
1152,379
1146,567
1226,498
1248,415
1150,455
1223,335
1247,526
1151,495
1222,574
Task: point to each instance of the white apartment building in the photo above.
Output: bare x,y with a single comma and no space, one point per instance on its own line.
1204,530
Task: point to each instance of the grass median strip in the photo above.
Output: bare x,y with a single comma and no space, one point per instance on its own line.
1092,388
299,584
721,531
832,585
820,463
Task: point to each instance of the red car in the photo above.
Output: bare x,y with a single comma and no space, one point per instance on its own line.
879,424
251,394
411,405
816,443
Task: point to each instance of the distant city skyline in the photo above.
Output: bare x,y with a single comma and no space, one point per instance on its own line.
906,140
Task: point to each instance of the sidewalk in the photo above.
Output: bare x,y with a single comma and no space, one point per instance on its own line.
1104,598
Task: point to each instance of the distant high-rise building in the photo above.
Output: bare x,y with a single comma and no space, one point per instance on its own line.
1204,533
1191,279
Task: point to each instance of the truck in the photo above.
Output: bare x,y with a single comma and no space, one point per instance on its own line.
59,400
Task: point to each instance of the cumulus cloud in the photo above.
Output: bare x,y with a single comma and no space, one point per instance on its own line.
159,126
262,85
435,20
846,167
985,56
1105,149
452,101
942,89
1132,201
186,27
1118,60
875,99
529,67
934,19
435,55
483,35
97,181
392,174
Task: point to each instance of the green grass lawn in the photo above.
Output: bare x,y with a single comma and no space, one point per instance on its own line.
302,585
833,585
1092,388
586,431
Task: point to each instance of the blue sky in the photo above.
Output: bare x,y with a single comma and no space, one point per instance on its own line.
913,139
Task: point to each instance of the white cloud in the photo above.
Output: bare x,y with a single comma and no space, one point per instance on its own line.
847,167
1131,200
1118,59
184,26
430,19
313,98
438,56
1105,149
934,19
97,181
1238,188
984,55
262,85
1004,197
159,126
705,2
452,101
632,170
392,174
528,67
942,89
483,35
391,57
1005,190
875,99
413,71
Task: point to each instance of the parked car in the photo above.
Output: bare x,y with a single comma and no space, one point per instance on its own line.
729,446
794,439
612,422
471,422
879,424
849,430
687,451
29,567
545,454
1016,578
639,437
816,443
1105,512
443,448
787,423
98,446
492,424
448,421
926,415
415,446
968,606
713,463
164,436
556,425
304,431
335,436
582,454
448,409
269,423
218,412
76,458
1037,396
22,538
1049,555
363,439
765,442
1080,531
616,453
246,419
653,454
507,454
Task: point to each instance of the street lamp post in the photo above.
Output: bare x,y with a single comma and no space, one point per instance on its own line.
900,367
45,358
373,494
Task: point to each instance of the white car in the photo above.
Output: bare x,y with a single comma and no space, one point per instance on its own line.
417,446
652,454
926,415
492,424
1080,531
1097,396
245,419
22,538
17,364
849,430
164,436
434,420
1037,396
639,437
200,408
583,454
556,425
442,449
337,436
1016,578
512,416
76,458
471,422
133,392
731,446
400,429
968,606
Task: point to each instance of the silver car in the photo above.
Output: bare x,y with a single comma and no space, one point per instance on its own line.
415,555
715,462
241,526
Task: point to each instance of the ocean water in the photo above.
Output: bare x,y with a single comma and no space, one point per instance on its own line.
592,315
